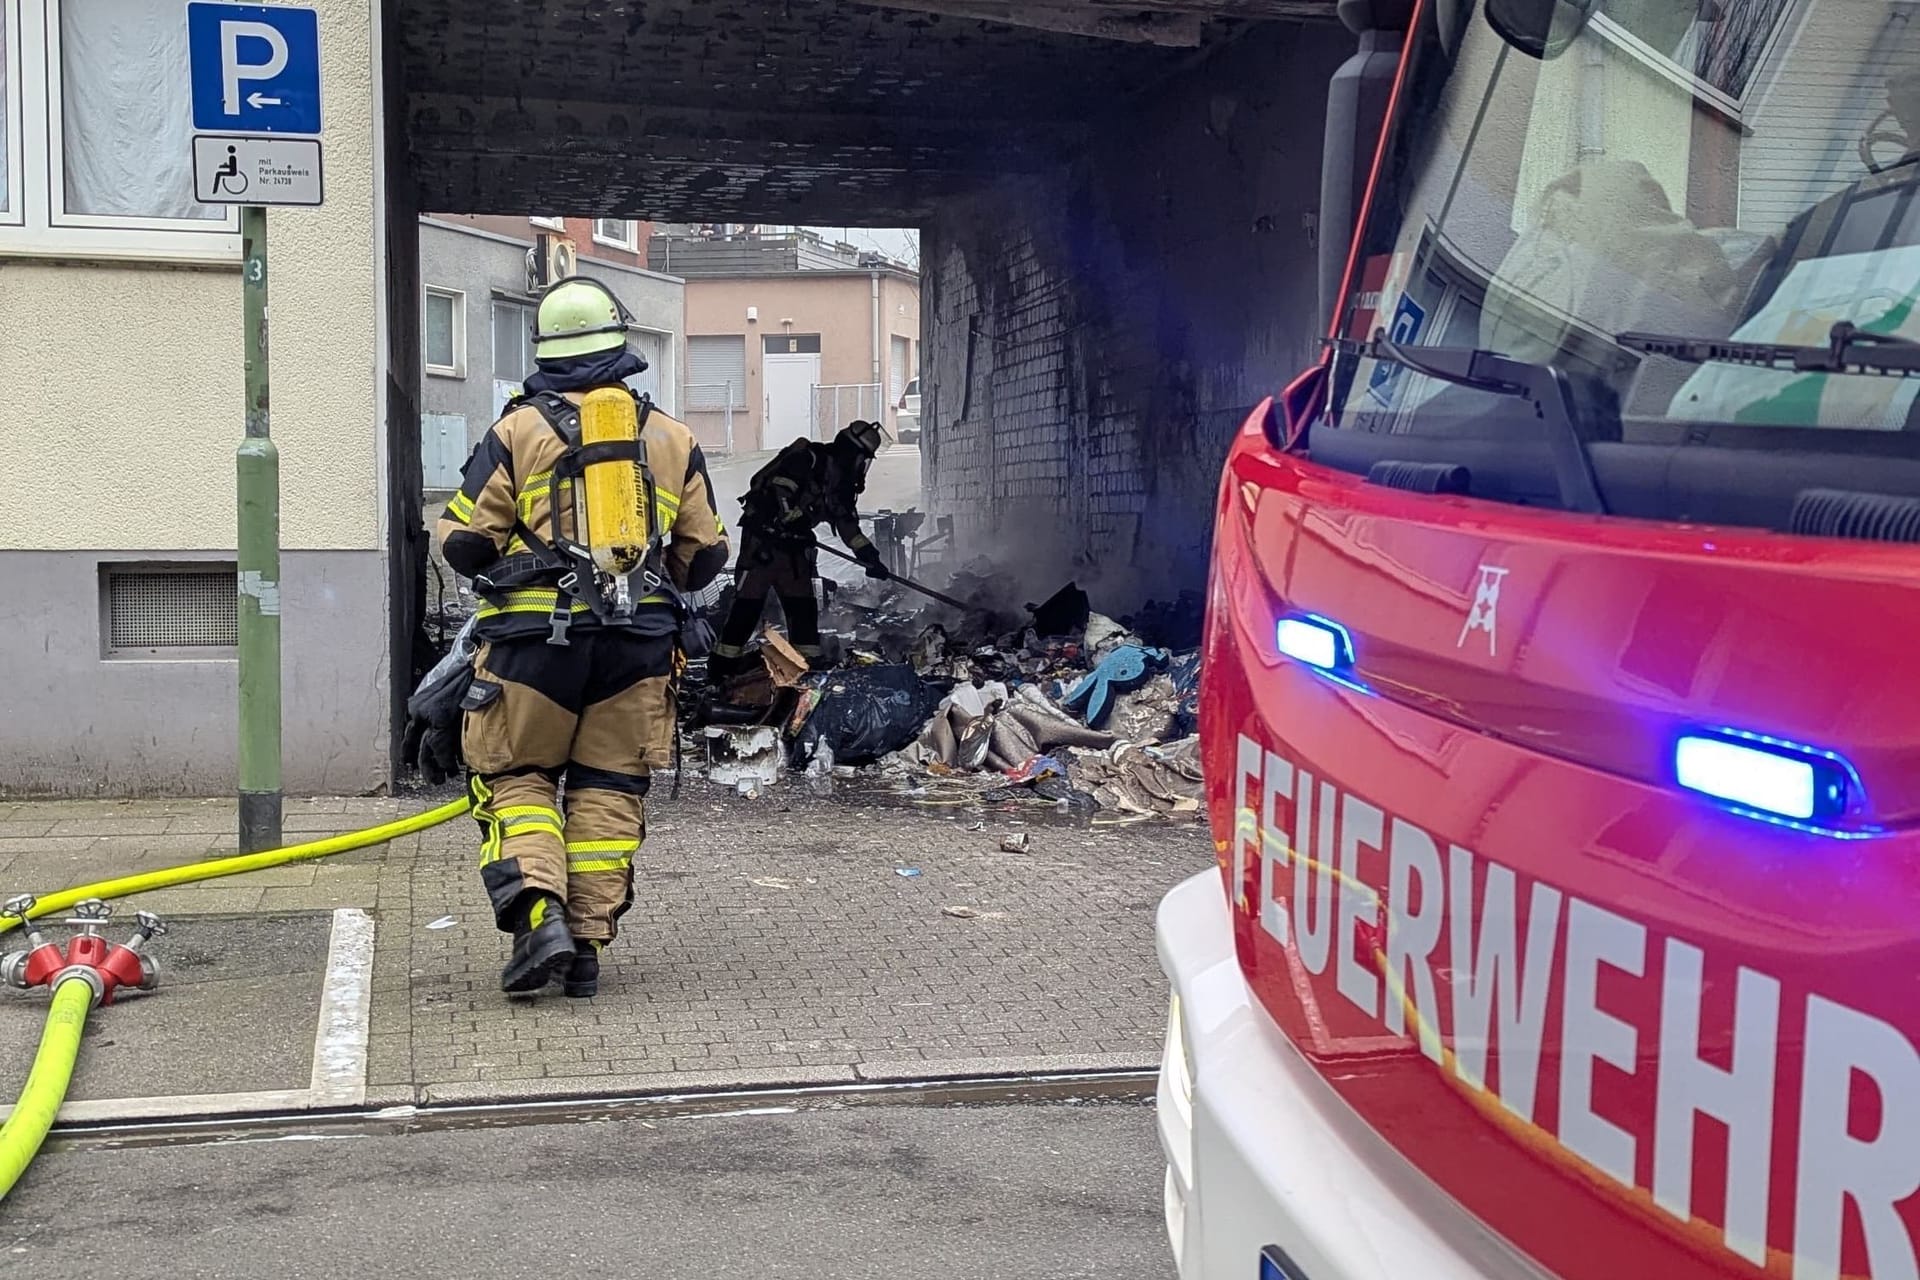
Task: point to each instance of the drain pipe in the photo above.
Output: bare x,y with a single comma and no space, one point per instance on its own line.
879,383
1593,101
1357,99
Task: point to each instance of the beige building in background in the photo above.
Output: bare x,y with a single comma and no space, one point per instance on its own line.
123,356
789,337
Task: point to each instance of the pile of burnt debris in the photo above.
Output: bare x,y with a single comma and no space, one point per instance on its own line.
1051,704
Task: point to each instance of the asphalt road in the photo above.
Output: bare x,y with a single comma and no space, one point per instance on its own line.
1026,1192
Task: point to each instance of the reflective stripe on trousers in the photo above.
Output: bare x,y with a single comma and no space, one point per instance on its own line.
585,857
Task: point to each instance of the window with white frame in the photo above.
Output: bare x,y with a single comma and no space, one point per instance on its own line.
1713,50
96,134
9,118
443,332
617,232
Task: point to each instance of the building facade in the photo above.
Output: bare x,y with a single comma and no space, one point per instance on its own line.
790,337
476,321
622,241
123,350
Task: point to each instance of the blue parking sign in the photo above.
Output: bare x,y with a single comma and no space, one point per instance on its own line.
1409,318
255,68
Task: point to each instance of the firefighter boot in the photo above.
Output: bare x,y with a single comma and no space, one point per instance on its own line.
541,942
581,979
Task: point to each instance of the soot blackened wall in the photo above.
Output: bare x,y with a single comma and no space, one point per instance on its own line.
1095,336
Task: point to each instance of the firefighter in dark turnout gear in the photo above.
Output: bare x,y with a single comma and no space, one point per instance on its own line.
807,484
570,687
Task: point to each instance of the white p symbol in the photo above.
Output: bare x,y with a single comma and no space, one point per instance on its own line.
233,71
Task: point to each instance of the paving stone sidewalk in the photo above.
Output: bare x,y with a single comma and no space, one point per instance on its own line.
772,941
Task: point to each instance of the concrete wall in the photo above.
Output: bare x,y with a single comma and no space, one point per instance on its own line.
486,266
477,265
836,306
1096,336
81,723
126,390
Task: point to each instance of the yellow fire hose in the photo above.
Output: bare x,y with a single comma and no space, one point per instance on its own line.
33,1115
194,872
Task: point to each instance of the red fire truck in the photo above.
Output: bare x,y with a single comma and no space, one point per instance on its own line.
1561,705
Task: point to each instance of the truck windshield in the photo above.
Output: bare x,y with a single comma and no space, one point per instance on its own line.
1696,169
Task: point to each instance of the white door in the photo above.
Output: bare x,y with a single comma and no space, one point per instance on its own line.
790,380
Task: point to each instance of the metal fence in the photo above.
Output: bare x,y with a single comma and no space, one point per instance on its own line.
835,406
716,398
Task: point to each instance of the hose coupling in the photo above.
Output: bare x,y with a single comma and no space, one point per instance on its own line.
88,957
82,973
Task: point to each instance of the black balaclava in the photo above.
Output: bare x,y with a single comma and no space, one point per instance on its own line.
578,373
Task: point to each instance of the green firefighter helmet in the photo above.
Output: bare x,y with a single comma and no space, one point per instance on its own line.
579,316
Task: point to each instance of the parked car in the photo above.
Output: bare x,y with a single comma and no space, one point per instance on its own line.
907,419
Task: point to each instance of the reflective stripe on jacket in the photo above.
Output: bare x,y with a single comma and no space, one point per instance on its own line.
509,478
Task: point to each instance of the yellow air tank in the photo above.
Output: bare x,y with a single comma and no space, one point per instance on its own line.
615,494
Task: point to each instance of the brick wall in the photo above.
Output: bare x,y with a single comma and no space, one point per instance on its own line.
1096,336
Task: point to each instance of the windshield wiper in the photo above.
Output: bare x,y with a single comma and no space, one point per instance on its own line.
1849,349
1545,386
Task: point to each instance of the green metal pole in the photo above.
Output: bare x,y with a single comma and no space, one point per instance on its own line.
259,491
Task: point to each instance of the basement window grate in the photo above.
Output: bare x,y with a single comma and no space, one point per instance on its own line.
170,610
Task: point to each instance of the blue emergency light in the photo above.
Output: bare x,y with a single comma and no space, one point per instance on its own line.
1276,1265
1317,641
1766,777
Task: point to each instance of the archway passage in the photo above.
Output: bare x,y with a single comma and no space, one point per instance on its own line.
804,111
1119,204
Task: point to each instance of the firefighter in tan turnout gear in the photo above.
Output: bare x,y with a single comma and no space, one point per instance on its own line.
584,517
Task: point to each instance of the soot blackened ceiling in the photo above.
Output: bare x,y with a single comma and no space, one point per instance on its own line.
807,111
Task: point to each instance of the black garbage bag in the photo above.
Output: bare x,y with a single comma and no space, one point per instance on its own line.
865,713
1186,683
1065,613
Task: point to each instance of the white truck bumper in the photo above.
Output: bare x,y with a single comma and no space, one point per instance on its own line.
1262,1156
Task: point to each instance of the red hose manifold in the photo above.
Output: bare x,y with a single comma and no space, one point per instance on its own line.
104,966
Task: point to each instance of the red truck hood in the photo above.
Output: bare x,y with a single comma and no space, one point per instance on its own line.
1633,1032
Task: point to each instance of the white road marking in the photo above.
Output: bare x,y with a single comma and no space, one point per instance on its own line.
346,1007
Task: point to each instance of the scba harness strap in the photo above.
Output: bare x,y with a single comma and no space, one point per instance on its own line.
586,455
571,561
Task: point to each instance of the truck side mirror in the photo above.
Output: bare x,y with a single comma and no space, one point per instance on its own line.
1539,28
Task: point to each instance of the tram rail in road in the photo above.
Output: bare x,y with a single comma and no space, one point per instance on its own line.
948,1091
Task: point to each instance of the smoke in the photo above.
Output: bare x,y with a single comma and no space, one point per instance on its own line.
1022,552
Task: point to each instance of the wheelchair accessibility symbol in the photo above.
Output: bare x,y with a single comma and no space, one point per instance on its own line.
227,179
